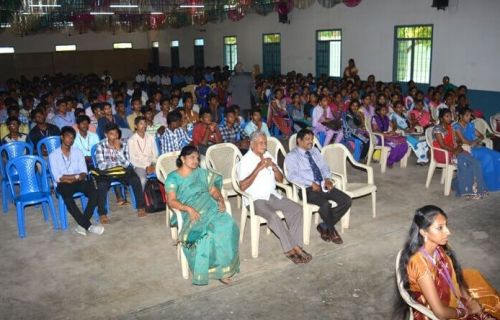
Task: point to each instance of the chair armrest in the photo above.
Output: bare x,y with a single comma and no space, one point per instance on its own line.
382,140
340,178
369,170
287,188
178,215
446,155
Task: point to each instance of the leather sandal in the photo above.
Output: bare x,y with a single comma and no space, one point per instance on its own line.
297,259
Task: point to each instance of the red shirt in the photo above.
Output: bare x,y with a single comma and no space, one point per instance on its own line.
199,133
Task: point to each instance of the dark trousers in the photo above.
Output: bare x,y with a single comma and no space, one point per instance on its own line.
66,190
330,215
131,178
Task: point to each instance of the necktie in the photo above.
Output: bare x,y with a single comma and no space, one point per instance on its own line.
316,172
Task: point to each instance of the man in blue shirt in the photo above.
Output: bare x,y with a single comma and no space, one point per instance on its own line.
67,165
63,117
306,167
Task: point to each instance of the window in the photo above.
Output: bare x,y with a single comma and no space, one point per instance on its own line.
412,53
155,44
174,54
230,51
271,53
66,47
6,50
328,52
199,53
122,45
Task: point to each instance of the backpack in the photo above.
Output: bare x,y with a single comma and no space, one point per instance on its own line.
154,196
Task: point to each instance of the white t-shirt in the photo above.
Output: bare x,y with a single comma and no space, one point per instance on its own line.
264,184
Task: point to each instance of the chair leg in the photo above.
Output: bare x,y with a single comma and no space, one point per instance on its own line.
374,203
243,221
255,233
5,197
20,220
404,161
62,212
344,222
52,208
384,154
45,213
184,264
238,201
430,172
370,154
132,197
448,177
316,219
307,224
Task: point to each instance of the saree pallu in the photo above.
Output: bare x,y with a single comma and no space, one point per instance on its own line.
489,159
211,243
478,287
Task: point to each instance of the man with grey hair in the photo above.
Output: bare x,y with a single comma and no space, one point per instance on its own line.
257,173
242,88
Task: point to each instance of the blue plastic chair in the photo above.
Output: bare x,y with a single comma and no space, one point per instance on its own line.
50,144
114,183
33,188
10,151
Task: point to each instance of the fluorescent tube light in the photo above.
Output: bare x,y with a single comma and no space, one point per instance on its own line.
102,13
192,6
45,5
124,6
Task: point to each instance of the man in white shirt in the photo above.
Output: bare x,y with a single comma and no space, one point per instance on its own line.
142,151
257,173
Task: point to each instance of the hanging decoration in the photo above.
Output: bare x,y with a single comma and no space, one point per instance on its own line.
352,3
20,18
329,3
303,4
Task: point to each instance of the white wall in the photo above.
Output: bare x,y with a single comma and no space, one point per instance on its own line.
46,42
465,47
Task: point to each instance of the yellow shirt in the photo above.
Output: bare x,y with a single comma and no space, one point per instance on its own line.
4,130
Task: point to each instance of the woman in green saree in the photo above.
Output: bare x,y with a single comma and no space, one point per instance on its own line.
209,236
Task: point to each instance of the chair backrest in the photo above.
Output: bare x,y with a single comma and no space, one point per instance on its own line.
292,142
406,296
493,122
481,126
368,125
31,174
165,164
92,154
429,139
50,143
336,156
13,150
234,179
274,147
222,157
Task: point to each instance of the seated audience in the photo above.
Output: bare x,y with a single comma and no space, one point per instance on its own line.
142,149
192,116
257,173
431,273
381,124
277,114
13,112
136,111
85,139
489,159
14,134
209,237
107,117
296,111
151,127
112,153
416,141
63,116
307,167
161,117
468,169
354,130
41,129
206,133
121,115
256,124
68,168
231,131
323,122
175,137
419,116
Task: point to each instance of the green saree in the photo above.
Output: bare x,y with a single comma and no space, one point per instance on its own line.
211,243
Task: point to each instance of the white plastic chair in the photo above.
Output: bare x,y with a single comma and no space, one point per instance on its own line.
493,124
255,220
448,168
483,127
336,156
275,147
384,150
408,299
292,142
221,158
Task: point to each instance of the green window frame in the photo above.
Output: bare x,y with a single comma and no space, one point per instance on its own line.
230,57
329,52
413,53
199,52
271,54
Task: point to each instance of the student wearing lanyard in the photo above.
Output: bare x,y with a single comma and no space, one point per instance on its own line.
85,139
142,148
42,129
67,165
